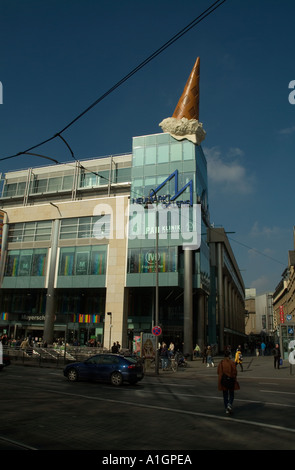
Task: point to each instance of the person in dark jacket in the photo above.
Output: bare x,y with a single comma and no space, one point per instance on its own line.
164,356
115,348
227,370
277,356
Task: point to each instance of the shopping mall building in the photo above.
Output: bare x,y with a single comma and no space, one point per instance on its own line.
113,247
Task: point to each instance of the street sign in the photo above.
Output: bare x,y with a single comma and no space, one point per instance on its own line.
157,330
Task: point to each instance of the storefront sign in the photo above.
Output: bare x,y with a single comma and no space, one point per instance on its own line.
282,319
33,317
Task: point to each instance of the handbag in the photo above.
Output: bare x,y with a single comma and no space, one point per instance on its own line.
228,382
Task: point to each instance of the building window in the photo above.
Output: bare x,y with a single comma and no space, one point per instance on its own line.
85,227
30,231
79,261
14,189
121,175
26,263
90,179
143,260
51,184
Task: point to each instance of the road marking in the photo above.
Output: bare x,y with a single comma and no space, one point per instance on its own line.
17,444
179,411
193,395
267,383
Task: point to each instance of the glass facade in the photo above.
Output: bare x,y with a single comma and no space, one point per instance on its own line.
80,261
171,177
174,173
142,260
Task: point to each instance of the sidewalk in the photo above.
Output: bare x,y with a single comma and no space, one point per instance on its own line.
253,367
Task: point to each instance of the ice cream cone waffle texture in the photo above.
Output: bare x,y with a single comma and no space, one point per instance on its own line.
188,105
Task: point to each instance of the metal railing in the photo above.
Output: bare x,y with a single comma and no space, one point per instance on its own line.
49,356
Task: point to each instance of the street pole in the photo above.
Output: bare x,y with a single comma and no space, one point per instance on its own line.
157,280
157,286
111,324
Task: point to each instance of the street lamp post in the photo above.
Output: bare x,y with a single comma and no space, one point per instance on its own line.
157,279
157,287
111,324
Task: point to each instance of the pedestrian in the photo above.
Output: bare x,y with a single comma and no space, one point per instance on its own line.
227,381
197,351
25,344
209,356
263,346
115,348
164,356
277,355
239,358
171,349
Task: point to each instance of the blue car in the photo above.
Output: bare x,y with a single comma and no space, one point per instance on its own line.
111,368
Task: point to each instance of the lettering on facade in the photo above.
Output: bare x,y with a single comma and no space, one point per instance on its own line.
33,317
168,199
292,94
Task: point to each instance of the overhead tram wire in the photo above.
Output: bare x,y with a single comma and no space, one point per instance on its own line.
171,41
149,59
256,251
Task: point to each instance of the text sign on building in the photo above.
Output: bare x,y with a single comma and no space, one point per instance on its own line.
282,319
168,215
168,199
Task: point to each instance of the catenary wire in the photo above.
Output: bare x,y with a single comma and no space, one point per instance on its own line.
256,251
171,41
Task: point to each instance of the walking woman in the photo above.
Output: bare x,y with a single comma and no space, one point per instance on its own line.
227,381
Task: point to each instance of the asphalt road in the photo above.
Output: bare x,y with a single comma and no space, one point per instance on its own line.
178,412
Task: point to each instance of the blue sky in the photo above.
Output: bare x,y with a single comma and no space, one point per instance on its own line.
58,57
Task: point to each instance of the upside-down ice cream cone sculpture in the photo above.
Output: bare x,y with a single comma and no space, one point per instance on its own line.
188,105
184,124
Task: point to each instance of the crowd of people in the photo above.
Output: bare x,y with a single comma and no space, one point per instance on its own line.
261,349
167,353
34,341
